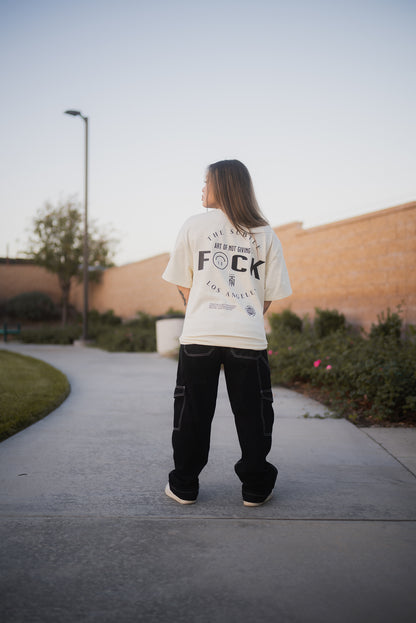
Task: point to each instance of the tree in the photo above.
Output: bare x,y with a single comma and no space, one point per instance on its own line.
57,245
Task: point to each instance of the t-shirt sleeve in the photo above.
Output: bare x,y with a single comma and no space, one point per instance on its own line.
277,285
180,266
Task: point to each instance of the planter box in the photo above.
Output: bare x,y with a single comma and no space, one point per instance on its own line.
168,331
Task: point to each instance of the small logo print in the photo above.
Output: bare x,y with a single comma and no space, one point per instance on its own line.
222,306
231,281
250,310
220,260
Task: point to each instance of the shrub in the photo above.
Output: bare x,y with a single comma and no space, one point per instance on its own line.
173,313
376,378
143,320
328,321
99,323
368,379
285,320
47,334
106,318
127,339
138,335
388,326
290,352
32,306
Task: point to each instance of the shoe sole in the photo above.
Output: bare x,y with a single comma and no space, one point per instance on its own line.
257,503
170,494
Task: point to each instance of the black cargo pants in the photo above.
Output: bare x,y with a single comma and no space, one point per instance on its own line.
247,376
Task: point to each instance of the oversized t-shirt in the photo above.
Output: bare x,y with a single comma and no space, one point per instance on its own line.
230,276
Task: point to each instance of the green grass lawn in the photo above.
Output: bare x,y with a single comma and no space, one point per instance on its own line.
29,390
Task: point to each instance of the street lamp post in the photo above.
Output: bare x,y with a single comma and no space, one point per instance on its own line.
76,113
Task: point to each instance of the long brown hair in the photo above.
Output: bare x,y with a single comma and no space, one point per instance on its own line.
232,188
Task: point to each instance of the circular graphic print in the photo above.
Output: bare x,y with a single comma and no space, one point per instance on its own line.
220,260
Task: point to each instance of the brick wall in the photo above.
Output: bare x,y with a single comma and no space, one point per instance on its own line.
131,288
21,276
360,266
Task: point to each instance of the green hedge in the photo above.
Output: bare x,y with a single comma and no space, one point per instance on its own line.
105,330
367,378
138,335
31,306
50,334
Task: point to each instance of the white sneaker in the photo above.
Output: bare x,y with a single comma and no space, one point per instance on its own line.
170,494
258,503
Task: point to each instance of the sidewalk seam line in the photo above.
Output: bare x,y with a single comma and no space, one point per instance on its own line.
388,452
209,518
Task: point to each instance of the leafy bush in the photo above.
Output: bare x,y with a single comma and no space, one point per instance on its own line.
285,320
100,323
144,321
369,379
49,334
173,313
107,318
388,326
32,306
138,335
127,339
328,321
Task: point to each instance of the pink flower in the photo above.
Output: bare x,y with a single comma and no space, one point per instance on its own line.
329,367
270,352
289,348
317,363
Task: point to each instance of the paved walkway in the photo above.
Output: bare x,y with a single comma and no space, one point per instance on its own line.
87,534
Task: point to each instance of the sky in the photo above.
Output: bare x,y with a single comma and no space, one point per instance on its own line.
317,98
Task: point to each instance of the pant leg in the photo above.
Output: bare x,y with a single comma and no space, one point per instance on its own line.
194,407
247,374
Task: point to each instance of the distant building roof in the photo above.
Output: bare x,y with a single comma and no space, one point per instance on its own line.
11,260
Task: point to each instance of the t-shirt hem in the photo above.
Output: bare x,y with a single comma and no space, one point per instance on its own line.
177,282
225,341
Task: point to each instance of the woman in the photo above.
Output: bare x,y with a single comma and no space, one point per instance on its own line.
228,266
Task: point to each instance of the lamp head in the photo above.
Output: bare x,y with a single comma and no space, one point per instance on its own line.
74,113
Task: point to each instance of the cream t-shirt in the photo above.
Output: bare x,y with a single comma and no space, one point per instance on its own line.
230,276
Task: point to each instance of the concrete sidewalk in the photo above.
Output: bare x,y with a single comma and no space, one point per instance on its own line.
87,533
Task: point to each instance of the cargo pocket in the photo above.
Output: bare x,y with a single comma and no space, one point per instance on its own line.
179,406
267,414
